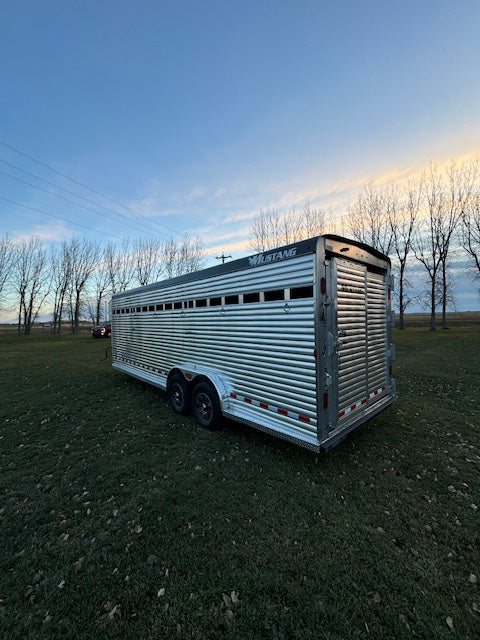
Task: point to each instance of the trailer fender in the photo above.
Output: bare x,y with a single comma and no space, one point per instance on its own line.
195,373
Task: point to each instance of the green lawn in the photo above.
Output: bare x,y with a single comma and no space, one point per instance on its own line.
119,519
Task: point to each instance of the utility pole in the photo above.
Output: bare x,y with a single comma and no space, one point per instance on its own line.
223,257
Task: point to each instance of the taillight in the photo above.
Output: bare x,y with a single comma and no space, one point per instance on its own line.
325,400
323,286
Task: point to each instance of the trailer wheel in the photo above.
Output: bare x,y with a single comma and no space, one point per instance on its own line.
179,394
206,406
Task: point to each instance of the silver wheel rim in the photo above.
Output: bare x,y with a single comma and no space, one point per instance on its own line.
203,406
177,395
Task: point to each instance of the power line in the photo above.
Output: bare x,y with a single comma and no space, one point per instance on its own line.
84,186
52,215
76,195
56,195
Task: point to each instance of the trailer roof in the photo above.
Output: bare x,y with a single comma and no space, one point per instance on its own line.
303,247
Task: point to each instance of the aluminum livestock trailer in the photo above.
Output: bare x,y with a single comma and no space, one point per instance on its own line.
295,341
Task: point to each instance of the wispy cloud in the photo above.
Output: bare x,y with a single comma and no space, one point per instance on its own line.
49,233
221,211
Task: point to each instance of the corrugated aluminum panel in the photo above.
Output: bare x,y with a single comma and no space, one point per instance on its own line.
290,273
264,350
361,295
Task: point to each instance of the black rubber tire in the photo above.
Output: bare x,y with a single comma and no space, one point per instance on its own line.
206,406
179,394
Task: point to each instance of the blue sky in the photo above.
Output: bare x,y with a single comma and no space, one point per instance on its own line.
197,115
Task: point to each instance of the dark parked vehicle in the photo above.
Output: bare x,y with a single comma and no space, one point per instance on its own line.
102,331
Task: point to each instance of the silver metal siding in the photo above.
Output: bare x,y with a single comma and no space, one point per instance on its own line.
351,330
362,338
263,350
377,369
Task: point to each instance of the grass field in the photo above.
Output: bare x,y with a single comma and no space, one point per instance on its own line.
119,519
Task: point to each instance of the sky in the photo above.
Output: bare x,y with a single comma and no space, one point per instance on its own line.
157,117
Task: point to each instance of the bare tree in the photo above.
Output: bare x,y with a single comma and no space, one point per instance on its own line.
192,254
101,285
265,231
447,198
6,261
61,277
30,280
119,265
471,231
427,244
313,221
84,255
291,227
368,219
146,260
460,184
169,257
182,257
402,217
270,229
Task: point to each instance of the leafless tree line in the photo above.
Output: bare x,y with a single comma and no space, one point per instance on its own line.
428,221
77,277
271,229
431,221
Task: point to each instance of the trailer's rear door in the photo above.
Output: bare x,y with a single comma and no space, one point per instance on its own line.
361,341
